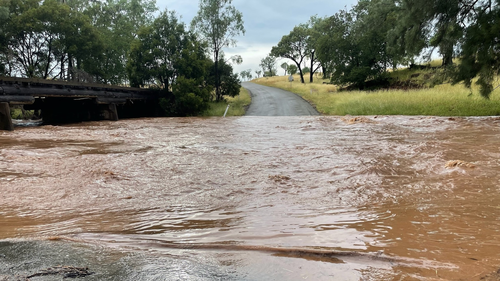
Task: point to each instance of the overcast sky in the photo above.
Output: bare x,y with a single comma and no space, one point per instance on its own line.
266,21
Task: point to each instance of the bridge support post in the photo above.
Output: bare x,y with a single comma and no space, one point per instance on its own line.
5,118
113,112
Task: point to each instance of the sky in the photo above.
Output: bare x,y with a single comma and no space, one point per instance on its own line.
265,23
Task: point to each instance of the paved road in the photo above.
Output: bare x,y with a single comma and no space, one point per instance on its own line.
268,101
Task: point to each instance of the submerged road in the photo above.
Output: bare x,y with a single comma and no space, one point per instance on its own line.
252,198
268,101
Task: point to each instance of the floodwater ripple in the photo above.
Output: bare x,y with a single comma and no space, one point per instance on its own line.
351,198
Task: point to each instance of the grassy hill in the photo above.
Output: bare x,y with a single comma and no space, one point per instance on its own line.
410,92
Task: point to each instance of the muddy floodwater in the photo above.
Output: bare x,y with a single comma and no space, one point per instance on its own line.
254,198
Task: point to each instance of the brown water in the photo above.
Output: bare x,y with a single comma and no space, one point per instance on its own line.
265,198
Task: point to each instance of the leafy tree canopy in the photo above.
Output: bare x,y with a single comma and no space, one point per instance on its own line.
293,47
292,69
268,64
168,56
284,66
218,22
39,38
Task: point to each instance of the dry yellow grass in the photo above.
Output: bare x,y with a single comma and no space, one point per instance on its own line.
441,100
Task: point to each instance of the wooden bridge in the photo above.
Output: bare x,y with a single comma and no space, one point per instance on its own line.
65,102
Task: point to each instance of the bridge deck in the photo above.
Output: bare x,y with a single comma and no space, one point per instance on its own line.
62,101
25,90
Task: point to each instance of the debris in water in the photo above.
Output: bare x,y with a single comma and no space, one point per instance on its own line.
354,120
65,271
13,278
495,276
458,163
279,178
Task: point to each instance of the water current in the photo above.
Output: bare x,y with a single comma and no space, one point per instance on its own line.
254,198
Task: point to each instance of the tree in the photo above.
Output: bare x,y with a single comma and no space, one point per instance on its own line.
285,67
268,64
74,39
40,39
293,47
4,15
300,45
229,82
435,24
292,69
155,54
246,74
258,72
354,43
169,57
218,22
480,53
118,21
457,28
316,30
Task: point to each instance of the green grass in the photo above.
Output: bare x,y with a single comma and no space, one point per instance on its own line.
441,100
237,105
17,113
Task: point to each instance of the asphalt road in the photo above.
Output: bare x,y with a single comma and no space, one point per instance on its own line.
268,101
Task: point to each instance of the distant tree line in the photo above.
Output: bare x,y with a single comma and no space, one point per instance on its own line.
362,44
123,42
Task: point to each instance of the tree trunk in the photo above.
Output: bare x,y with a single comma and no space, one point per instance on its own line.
10,67
311,69
448,58
70,68
217,80
446,49
301,76
46,74
62,68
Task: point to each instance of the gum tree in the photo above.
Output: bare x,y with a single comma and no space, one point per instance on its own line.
268,64
169,57
293,47
40,38
218,22
284,66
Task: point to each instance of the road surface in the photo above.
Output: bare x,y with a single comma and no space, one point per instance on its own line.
268,101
